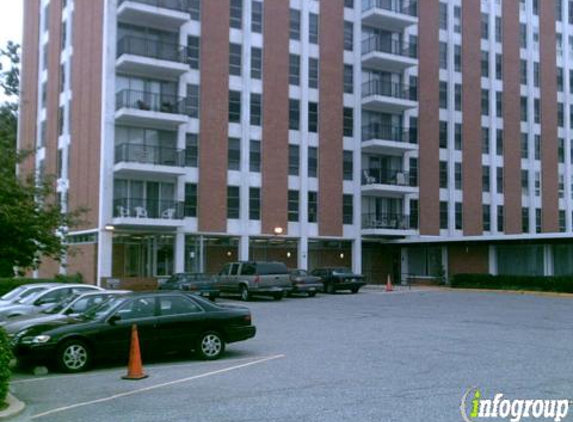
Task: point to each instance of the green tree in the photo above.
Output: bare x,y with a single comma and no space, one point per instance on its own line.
31,220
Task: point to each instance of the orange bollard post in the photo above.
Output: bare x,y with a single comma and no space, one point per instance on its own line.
389,287
134,367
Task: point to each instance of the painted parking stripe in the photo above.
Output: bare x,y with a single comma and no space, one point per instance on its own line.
154,387
108,371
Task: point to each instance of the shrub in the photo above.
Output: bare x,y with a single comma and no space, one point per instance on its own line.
5,358
561,284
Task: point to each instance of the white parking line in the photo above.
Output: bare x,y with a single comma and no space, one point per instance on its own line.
107,371
154,387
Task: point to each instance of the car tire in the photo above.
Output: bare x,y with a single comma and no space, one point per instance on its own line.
278,296
311,294
74,356
210,346
354,290
245,294
330,289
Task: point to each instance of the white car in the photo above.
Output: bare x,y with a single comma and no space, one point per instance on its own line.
45,299
23,291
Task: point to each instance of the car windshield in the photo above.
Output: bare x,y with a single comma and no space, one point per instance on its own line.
342,270
103,308
14,293
29,298
29,293
60,306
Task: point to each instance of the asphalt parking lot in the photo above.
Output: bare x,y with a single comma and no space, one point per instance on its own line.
374,356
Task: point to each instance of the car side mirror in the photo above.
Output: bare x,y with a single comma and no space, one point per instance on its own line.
113,319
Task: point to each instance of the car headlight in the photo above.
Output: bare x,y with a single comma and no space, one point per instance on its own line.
41,339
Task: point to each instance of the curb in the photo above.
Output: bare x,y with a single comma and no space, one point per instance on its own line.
512,292
15,406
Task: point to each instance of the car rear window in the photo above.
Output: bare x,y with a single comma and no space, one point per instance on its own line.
271,268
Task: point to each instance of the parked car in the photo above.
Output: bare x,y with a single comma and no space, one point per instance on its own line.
45,299
201,284
339,278
23,291
303,282
73,305
170,321
262,278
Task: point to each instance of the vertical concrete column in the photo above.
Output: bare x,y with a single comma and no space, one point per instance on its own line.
357,256
180,252
492,260
548,262
244,248
105,255
303,253
404,264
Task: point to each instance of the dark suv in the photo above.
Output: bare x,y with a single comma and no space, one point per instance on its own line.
249,278
337,278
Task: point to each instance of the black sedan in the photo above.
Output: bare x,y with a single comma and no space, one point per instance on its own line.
303,282
337,278
198,283
167,322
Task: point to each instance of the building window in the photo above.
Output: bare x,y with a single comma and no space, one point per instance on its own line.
485,64
348,36
485,181
457,19
347,209
538,220
312,207
61,119
443,134
484,26
523,105
414,213
234,154
485,140
443,55
294,31
561,220
561,150
458,97
498,29
348,121
443,94
560,79
499,142
190,206
458,136
233,202
485,102
192,101
443,174
458,175
294,69
256,63
191,150
498,104
443,215
312,117
486,215
257,17
524,182
294,114
256,109
313,28
347,165
193,52
537,110
525,220
255,156
536,74
498,67
234,107
348,79
523,35
459,215
524,146
443,16
457,57
312,161
235,59
413,171
537,146
254,204
236,14
293,160
560,114
293,205
500,221
195,9
499,178
312,72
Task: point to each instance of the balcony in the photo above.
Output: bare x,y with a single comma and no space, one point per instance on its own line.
150,58
161,14
388,183
388,140
147,212
386,224
135,159
388,97
159,111
392,15
388,55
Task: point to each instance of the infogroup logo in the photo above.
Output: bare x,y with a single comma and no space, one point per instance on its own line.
474,408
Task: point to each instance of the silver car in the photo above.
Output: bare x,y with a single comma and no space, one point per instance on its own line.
23,291
45,299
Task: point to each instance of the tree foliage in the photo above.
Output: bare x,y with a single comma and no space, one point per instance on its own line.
31,220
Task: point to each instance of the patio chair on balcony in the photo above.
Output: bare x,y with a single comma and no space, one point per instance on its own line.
169,213
140,212
122,211
401,178
368,179
142,105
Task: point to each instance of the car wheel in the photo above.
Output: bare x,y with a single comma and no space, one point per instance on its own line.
245,294
354,290
278,296
210,346
311,294
74,356
330,288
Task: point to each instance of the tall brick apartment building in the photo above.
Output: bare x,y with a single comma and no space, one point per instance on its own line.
390,136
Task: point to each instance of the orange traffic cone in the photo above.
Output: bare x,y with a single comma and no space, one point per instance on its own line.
134,367
389,287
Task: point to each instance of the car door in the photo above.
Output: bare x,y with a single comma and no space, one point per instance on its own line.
114,337
181,320
222,282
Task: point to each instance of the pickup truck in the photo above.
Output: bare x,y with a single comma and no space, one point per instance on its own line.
254,278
